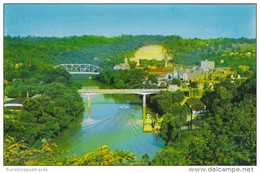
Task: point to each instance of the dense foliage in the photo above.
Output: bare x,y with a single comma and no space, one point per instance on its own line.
18,153
96,50
24,55
227,135
28,58
53,99
123,78
166,102
45,116
173,114
234,52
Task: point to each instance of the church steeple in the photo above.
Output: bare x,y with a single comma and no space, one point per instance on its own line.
138,62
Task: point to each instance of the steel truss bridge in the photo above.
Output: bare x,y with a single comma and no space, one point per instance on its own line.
80,68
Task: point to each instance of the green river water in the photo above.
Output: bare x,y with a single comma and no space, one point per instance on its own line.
113,120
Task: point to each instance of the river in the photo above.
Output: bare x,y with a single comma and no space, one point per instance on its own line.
113,120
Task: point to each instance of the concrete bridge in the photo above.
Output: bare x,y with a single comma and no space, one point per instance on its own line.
144,92
122,91
13,105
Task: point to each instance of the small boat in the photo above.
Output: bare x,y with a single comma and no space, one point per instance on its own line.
124,107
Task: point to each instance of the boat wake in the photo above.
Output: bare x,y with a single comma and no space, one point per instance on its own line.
121,131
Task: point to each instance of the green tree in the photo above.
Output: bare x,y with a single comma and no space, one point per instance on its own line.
178,96
162,102
145,160
176,82
169,156
153,79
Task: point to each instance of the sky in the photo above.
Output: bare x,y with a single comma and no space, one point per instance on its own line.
186,20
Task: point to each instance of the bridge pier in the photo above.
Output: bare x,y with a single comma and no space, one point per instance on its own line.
89,112
89,105
144,112
89,101
144,100
144,106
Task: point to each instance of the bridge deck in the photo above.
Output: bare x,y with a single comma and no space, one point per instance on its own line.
13,105
122,91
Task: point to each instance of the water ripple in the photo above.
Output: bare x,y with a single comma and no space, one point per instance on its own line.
118,128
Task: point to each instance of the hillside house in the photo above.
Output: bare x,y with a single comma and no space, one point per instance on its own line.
196,108
207,65
123,66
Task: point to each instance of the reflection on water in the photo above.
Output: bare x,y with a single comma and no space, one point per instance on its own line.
117,124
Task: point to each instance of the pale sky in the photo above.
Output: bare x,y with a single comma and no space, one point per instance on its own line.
188,21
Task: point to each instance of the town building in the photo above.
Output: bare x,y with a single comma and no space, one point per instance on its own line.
185,76
196,108
196,75
207,65
175,75
162,83
173,87
223,69
123,66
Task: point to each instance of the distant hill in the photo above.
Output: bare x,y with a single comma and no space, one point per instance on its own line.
226,52
27,56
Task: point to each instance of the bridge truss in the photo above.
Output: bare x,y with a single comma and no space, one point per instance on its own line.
80,68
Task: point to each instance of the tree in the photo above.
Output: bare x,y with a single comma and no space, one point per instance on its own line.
178,96
153,79
169,156
104,156
145,159
231,121
176,82
58,75
45,116
193,84
162,102
132,64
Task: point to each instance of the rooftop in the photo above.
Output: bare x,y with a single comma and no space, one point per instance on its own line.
195,104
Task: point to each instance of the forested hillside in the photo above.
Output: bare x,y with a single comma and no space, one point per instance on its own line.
234,52
106,52
227,136
28,59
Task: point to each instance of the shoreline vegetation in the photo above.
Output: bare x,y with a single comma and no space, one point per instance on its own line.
226,136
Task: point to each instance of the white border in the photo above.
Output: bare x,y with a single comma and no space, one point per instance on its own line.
94,169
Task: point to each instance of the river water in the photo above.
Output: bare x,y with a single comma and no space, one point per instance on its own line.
113,120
